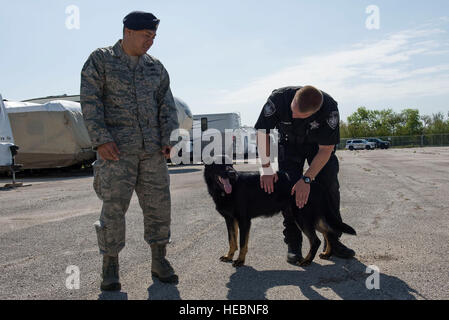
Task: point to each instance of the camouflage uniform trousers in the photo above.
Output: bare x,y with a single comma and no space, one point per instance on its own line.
114,183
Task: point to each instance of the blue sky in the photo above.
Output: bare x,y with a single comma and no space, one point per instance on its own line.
227,56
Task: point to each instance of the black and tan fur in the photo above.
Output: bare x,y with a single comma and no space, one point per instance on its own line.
248,200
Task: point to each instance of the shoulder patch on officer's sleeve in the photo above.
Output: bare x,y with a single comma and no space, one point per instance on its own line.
333,120
269,109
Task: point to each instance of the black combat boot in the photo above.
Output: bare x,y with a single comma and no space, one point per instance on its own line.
160,267
110,274
294,255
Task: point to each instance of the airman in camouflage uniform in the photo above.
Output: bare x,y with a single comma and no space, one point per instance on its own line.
129,112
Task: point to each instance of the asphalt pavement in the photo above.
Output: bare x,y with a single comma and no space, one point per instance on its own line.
397,200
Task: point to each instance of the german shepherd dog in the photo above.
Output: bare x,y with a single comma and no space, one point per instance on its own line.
239,198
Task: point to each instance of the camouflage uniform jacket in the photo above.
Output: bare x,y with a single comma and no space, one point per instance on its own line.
133,108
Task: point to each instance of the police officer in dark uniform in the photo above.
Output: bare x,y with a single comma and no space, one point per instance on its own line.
308,124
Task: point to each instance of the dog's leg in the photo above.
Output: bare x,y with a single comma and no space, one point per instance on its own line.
328,252
232,227
315,243
244,238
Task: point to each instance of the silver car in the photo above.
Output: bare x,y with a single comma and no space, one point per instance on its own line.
360,144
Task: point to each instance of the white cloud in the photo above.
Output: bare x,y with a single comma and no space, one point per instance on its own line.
361,75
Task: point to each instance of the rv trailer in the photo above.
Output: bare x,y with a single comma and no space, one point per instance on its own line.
51,132
205,128
50,135
6,139
185,118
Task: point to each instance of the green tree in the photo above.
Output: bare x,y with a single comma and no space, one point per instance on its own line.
388,123
360,123
383,123
438,124
344,133
411,123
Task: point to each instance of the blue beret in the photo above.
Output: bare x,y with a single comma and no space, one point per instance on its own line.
139,20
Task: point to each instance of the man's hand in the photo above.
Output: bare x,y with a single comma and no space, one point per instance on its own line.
109,151
166,151
302,191
267,182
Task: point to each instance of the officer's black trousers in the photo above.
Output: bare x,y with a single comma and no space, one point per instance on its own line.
327,177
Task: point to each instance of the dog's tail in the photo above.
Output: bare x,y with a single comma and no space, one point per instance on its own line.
333,222
347,229
339,225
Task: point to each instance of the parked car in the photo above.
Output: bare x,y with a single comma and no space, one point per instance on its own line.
357,144
380,143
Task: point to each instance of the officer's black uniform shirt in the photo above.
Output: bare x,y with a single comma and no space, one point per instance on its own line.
322,128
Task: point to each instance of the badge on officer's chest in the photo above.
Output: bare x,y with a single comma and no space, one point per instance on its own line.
269,109
333,120
314,125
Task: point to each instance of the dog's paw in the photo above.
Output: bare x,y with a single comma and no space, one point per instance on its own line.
325,256
238,263
304,263
225,259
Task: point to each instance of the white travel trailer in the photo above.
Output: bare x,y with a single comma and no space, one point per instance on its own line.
206,126
50,135
185,117
51,132
219,121
6,139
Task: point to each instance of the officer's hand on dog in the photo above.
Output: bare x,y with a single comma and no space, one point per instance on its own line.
267,182
302,191
109,151
166,151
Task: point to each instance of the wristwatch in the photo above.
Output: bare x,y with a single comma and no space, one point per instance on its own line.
307,180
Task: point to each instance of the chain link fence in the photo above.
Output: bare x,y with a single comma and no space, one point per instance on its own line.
425,140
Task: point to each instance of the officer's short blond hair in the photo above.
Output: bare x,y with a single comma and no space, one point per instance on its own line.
308,99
